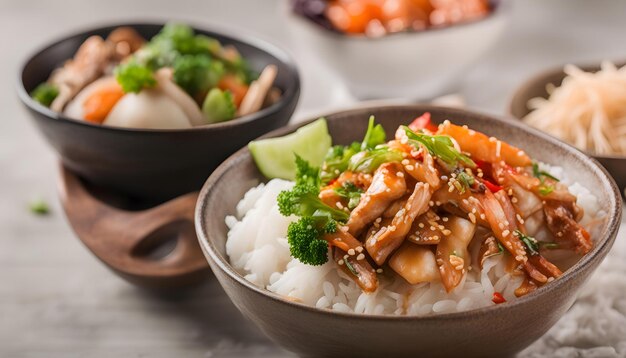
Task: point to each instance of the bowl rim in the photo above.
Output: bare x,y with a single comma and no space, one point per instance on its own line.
498,9
291,92
541,77
607,237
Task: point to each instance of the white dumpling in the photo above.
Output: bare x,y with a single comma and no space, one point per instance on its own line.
149,109
74,109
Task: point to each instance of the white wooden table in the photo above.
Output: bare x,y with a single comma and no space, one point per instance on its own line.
57,300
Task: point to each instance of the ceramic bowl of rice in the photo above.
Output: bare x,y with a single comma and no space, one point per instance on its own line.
317,311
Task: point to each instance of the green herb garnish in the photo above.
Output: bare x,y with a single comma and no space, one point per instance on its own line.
349,266
549,245
544,189
45,93
532,245
440,146
464,181
339,158
351,192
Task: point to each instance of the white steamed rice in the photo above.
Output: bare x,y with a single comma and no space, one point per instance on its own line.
258,249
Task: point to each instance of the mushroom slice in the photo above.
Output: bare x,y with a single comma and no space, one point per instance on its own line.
258,90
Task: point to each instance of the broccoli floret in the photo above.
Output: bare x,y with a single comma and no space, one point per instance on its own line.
306,174
45,93
196,74
316,218
219,106
305,243
303,200
133,77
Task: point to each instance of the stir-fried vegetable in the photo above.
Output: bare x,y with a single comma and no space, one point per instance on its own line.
316,218
219,106
440,146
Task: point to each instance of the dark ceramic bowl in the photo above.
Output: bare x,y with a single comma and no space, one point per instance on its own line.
536,87
154,164
497,331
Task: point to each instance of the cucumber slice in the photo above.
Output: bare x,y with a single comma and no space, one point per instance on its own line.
275,156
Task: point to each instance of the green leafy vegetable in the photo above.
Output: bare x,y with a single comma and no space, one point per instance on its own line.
219,106
440,146
374,136
39,207
133,77
45,93
316,218
351,192
532,245
368,161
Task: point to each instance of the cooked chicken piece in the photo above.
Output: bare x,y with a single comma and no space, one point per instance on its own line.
427,230
461,204
357,267
452,255
560,217
87,65
415,263
388,184
125,40
424,171
390,237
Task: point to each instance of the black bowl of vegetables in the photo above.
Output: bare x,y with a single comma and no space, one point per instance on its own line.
148,109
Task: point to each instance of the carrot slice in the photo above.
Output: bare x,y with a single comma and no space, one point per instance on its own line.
98,105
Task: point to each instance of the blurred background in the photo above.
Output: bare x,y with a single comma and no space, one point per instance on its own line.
56,300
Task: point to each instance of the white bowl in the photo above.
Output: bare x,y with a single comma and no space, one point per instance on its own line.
415,65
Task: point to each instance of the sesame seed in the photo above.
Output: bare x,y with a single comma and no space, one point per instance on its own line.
472,132
472,218
360,257
339,205
492,139
431,203
482,216
501,226
351,252
445,219
359,248
405,162
514,200
505,233
379,270
438,203
400,174
444,177
520,153
446,232
432,228
340,262
421,225
410,167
